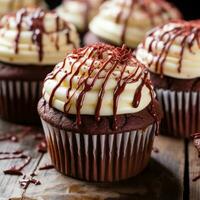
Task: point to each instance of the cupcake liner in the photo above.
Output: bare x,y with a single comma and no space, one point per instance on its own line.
18,100
181,112
99,158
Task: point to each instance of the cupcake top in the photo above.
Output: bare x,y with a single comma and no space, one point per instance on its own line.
79,12
33,36
99,80
127,21
14,5
173,50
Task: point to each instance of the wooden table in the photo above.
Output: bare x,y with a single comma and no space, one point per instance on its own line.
169,175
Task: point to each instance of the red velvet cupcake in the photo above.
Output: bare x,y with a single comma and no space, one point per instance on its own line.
99,114
172,53
31,42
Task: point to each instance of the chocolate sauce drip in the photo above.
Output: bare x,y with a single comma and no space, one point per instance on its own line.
196,178
138,92
35,19
37,26
189,32
118,58
19,18
144,6
46,167
16,156
11,153
57,29
26,181
196,139
42,147
16,170
155,150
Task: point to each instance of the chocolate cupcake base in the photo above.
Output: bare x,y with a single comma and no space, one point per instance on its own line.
20,91
101,158
180,102
181,112
93,151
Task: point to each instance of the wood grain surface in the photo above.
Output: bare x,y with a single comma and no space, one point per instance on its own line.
162,179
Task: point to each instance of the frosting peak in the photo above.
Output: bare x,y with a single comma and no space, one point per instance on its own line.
79,12
14,5
173,49
127,21
99,80
35,31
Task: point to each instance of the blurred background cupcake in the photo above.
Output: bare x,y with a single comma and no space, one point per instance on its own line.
79,12
172,53
31,42
126,21
99,114
14,5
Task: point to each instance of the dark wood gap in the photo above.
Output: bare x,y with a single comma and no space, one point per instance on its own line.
186,183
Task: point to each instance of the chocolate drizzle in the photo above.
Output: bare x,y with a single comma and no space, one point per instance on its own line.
196,178
19,154
46,167
19,18
16,170
42,146
26,181
118,58
123,17
34,18
196,139
188,32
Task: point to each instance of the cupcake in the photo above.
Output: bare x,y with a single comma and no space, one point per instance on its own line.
99,114
126,21
172,53
79,12
14,5
31,42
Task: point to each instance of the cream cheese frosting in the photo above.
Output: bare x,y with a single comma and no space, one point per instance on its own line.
99,80
173,50
14,5
33,36
127,21
79,12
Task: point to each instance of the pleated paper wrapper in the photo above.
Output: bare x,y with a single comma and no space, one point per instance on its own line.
181,112
99,158
18,100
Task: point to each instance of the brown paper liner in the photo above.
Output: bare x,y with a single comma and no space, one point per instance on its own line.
18,100
99,158
181,112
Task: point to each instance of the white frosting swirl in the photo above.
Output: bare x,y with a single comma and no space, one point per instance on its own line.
14,5
173,50
71,79
127,21
33,36
79,12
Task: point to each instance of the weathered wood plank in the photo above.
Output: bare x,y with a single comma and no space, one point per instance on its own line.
163,179
172,156
194,172
9,185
